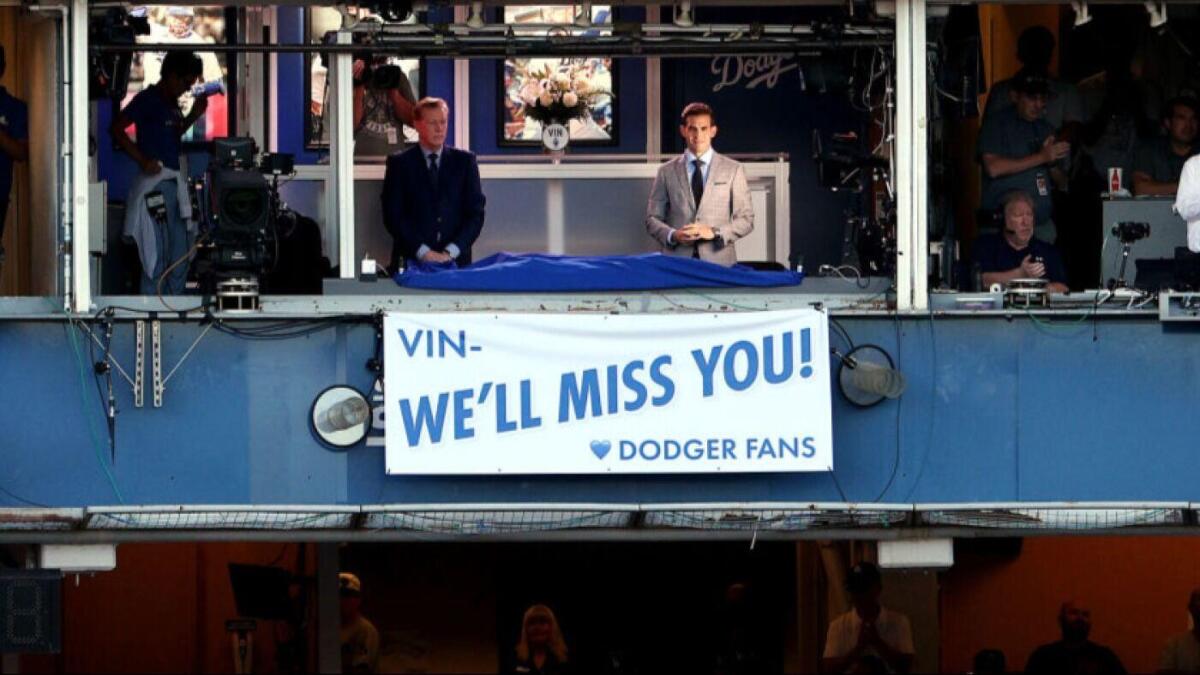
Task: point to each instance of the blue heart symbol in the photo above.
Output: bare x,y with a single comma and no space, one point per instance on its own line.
600,448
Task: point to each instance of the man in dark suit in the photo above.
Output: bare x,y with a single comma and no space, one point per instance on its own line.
432,199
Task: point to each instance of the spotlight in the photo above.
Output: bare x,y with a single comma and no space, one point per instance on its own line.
476,18
867,375
1157,12
683,15
341,416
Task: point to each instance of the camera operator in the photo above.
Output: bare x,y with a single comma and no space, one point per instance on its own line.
14,145
161,226
383,103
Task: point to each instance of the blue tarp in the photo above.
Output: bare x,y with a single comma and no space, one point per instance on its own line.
531,272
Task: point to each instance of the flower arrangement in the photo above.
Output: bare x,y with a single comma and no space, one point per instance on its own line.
557,97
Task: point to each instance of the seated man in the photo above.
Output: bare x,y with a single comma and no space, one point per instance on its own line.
1015,253
1018,151
1160,161
1074,653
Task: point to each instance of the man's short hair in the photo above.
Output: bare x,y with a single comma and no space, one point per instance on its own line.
697,108
1012,197
349,585
429,103
183,64
1168,110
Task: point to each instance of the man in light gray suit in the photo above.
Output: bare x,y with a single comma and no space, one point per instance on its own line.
700,203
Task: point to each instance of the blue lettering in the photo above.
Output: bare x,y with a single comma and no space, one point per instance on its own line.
425,417
767,449
462,413
528,419
806,352
445,340
503,424
659,378
791,447
707,366
629,377
693,449
574,395
810,446
727,446
770,374
731,379
410,347
611,382
626,450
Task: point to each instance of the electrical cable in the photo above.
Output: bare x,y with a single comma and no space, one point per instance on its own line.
899,405
112,481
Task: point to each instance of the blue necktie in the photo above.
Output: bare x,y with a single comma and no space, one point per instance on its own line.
433,169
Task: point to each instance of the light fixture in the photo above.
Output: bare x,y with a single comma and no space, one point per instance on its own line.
867,375
1157,12
340,416
683,15
475,20
1082,14
584,18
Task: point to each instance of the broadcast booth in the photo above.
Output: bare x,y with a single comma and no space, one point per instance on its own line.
276,397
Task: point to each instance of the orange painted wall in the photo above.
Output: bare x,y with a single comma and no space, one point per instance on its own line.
162,610
1136,587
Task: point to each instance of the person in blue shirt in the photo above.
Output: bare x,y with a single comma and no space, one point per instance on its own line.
160,125
1014,253
14,144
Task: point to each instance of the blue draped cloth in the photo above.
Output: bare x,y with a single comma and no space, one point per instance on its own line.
533,272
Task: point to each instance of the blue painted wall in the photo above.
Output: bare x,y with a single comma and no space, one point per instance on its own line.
995,410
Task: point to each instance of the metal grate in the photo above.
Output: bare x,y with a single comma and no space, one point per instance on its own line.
475,522
1064,518
783,520
220,518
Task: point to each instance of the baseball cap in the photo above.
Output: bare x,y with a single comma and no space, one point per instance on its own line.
348,584
862,577
1032,82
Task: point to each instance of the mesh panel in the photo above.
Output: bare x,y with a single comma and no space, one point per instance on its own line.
230,519
1055,518
781,520
494,522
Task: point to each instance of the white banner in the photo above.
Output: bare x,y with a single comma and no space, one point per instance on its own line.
596,394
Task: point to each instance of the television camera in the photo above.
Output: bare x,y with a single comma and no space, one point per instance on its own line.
244,216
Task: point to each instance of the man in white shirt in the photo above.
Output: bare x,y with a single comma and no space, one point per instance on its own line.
1182,652
869,638
1187,201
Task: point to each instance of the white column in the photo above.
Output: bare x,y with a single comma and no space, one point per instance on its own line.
461,105
911,179
339,191
653,94
79,281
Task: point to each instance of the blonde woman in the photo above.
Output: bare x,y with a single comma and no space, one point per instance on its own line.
541,649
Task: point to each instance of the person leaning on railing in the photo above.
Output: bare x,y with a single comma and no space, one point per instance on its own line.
1015,253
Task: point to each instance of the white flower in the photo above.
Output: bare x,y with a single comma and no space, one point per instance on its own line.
570,100
546,99
529,93
581,85
562,82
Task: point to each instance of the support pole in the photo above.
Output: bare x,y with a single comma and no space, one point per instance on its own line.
339,193
79,280
912,189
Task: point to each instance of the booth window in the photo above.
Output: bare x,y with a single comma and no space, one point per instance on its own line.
198,25
380,74
520,75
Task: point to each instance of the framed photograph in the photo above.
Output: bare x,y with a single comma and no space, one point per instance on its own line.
519,77
190,24
378,129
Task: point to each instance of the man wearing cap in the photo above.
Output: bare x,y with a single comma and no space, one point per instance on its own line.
360,640
869,638
1018,150
1035,50
14,145
1160,161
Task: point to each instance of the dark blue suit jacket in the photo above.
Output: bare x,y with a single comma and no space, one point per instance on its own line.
416,213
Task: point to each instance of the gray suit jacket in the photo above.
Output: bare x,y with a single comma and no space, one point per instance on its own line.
725,206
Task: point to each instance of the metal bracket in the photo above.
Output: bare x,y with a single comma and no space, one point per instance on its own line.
140,351
156,359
